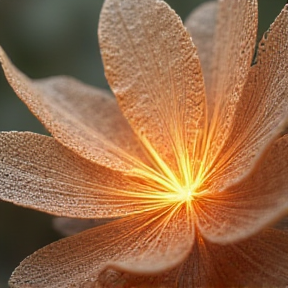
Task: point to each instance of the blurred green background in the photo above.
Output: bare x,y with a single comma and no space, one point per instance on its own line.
50,37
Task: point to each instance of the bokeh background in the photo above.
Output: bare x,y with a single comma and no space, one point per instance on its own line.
52,37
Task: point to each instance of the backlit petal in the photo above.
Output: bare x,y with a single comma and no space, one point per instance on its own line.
161,239
261,261
235,42
84,119
153,68
245,208
261,114
38,172
201,25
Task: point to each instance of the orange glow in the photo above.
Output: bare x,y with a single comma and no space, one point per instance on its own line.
171,189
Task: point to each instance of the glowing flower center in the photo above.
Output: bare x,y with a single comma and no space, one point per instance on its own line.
168,186
183,194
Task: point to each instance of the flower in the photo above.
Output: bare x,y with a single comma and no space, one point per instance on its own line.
197,173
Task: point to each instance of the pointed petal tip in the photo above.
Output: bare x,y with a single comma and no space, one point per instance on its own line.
2,54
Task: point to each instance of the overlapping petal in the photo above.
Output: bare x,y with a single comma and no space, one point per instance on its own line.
158,241
245,208
235,38
153,68
154,71
261,114
261,261
38,172
84,119
201,25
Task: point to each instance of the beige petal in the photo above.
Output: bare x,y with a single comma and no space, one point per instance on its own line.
84,119
234,48
161,239
201,25
38,172
245,208
153,68
261,114
260,261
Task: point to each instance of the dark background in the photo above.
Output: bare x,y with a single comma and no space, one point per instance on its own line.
52,37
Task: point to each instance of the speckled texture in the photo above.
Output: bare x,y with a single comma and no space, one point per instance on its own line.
154,71
84,119
261,114
196,211
79,260
235,38
201,24
251,204
36,171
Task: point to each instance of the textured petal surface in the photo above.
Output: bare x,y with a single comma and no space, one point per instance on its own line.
261,115
153,68
234,48
38,172
243,209
84,119
261,261
201,25
159,241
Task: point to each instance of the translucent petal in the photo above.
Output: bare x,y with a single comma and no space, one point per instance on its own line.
84,119
201,25
261,114
245,208
38,172
153,68
261,261
234,48
148,243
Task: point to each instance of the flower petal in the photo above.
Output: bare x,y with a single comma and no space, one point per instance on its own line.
152,66
38,172
261,114
84,119
234,48
245,208
161,239
201,26
261,261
